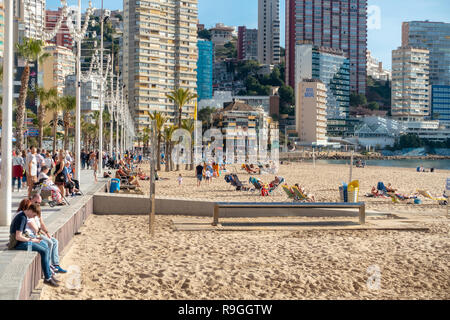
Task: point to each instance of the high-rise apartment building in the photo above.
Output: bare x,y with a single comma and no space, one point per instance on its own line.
2,29
269,31
63,37
29,18
440,103
435,37
90,92
410,84
160,55
247,44
205,69
337,24
311,111
331,66
60,64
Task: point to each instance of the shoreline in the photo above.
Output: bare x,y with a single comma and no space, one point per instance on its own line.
356,156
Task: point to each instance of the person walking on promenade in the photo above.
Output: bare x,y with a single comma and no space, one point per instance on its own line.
94,164
18,165
31,167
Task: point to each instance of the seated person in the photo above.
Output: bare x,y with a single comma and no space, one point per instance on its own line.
48,185
141,175
389,188
19,240
107,174
71,184
309,197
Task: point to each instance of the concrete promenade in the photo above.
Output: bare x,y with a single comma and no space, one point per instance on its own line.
20,272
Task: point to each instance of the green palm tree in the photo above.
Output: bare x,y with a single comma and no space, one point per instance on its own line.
160,120
55,106
30,50
168,132
188,124
181,97
68,105
45,97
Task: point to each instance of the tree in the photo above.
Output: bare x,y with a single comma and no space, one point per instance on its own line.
31,50
68,104
45,97
357,100
55,106
373,106
188,125
168,133
204,115
181,97
287,99
204,34
160,121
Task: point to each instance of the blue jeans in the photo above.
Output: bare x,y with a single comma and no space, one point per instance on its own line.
52,245
19,183
43,250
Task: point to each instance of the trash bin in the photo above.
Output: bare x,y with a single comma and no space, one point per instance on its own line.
115,185
343,192
353,191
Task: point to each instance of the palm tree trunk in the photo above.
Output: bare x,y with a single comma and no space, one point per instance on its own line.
55,126
167,157
20,116
66,130
180,109
41,125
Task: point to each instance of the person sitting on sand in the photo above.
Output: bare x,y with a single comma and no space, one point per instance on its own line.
141,175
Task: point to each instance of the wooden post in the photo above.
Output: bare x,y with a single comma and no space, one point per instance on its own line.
351,167
216,215
314,158
152,178
362,214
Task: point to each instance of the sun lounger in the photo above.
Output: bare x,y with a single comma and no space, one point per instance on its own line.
289,193
428,195
299,194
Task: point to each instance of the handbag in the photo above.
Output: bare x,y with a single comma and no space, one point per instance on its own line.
12,241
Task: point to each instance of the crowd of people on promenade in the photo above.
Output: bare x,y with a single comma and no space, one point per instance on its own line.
36,170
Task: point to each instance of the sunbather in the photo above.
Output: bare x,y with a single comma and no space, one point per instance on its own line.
309,197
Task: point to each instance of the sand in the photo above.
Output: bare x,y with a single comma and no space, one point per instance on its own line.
322,181
119,260
253,265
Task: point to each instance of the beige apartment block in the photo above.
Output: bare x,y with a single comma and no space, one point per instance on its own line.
60,64
269,31
410,84
311,111
221,34
159,55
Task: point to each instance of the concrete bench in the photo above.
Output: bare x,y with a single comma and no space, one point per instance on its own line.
283,205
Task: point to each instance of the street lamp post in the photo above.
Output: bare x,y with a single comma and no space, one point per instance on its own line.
6,170
100,143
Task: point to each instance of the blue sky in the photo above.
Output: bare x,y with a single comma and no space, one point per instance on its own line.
381,41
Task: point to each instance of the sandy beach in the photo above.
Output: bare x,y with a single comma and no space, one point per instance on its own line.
322,181
117,258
